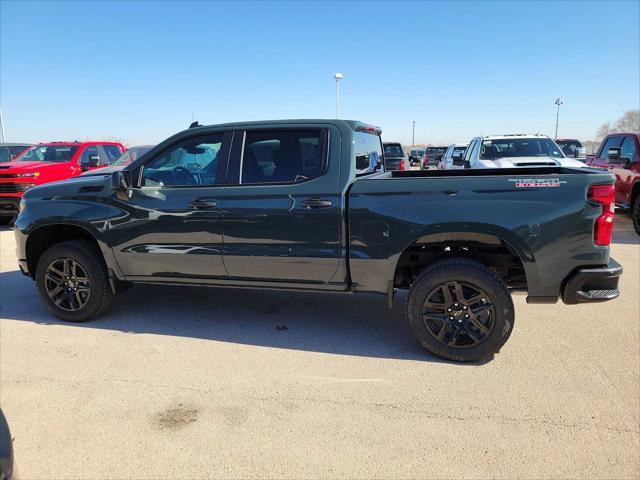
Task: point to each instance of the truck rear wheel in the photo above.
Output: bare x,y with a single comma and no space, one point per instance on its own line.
460,310
72,281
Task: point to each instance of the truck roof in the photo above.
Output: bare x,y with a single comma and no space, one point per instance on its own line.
352,124
76,142
514,135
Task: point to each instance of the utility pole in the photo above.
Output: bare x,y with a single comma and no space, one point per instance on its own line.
1,128
558,103
413,134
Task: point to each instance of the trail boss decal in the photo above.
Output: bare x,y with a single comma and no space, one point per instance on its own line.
536,182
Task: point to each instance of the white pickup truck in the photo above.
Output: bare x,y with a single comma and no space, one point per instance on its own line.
512,151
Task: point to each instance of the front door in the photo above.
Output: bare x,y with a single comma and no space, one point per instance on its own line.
282,212
171,227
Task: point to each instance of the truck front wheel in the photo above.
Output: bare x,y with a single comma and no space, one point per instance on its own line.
460,310
635,214
72,281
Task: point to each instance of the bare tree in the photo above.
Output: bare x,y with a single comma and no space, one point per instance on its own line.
629,122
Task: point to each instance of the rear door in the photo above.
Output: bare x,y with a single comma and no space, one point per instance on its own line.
282,211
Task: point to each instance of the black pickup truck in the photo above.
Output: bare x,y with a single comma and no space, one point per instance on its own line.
280,204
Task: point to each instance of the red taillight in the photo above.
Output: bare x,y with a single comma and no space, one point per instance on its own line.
605,195
402,165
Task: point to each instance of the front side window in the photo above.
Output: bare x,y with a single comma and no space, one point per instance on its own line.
282,156
612,142
49,153
519,147
191,162
88,153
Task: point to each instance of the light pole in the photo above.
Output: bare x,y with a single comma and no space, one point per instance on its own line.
1,128
413,134
558,103
338,77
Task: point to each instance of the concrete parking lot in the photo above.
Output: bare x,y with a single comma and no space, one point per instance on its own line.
196,382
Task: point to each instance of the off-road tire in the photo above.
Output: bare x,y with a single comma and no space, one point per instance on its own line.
635,214
91,261
469,272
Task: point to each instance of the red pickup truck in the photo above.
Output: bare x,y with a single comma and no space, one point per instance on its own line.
620,153
48,162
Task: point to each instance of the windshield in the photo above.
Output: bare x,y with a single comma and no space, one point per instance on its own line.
48,153
519,147
9,152
569,147
131,155
436,150
393,150
417,153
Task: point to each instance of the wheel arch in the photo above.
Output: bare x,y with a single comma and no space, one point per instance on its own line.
45,236
482,244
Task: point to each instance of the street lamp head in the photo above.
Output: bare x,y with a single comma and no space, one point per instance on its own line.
338,76
559,101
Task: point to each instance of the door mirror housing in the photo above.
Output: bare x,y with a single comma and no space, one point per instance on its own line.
121,180
458,159
613,155
88,162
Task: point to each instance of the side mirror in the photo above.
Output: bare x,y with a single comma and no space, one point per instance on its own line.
613,155
458,159
121,180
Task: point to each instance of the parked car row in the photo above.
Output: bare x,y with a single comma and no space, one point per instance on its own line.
24,166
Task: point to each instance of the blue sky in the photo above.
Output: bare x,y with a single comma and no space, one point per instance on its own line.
140,70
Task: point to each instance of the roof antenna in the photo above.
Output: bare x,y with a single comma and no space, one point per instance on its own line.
194,124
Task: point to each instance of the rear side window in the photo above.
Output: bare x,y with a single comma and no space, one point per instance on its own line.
113,152
283,156
628,149
368,150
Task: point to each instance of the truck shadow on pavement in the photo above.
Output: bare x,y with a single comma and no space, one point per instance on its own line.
359,325
623,231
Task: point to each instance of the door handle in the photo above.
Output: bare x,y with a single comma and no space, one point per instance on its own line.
203,204
316,203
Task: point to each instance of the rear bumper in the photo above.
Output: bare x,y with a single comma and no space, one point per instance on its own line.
593,284
9,206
